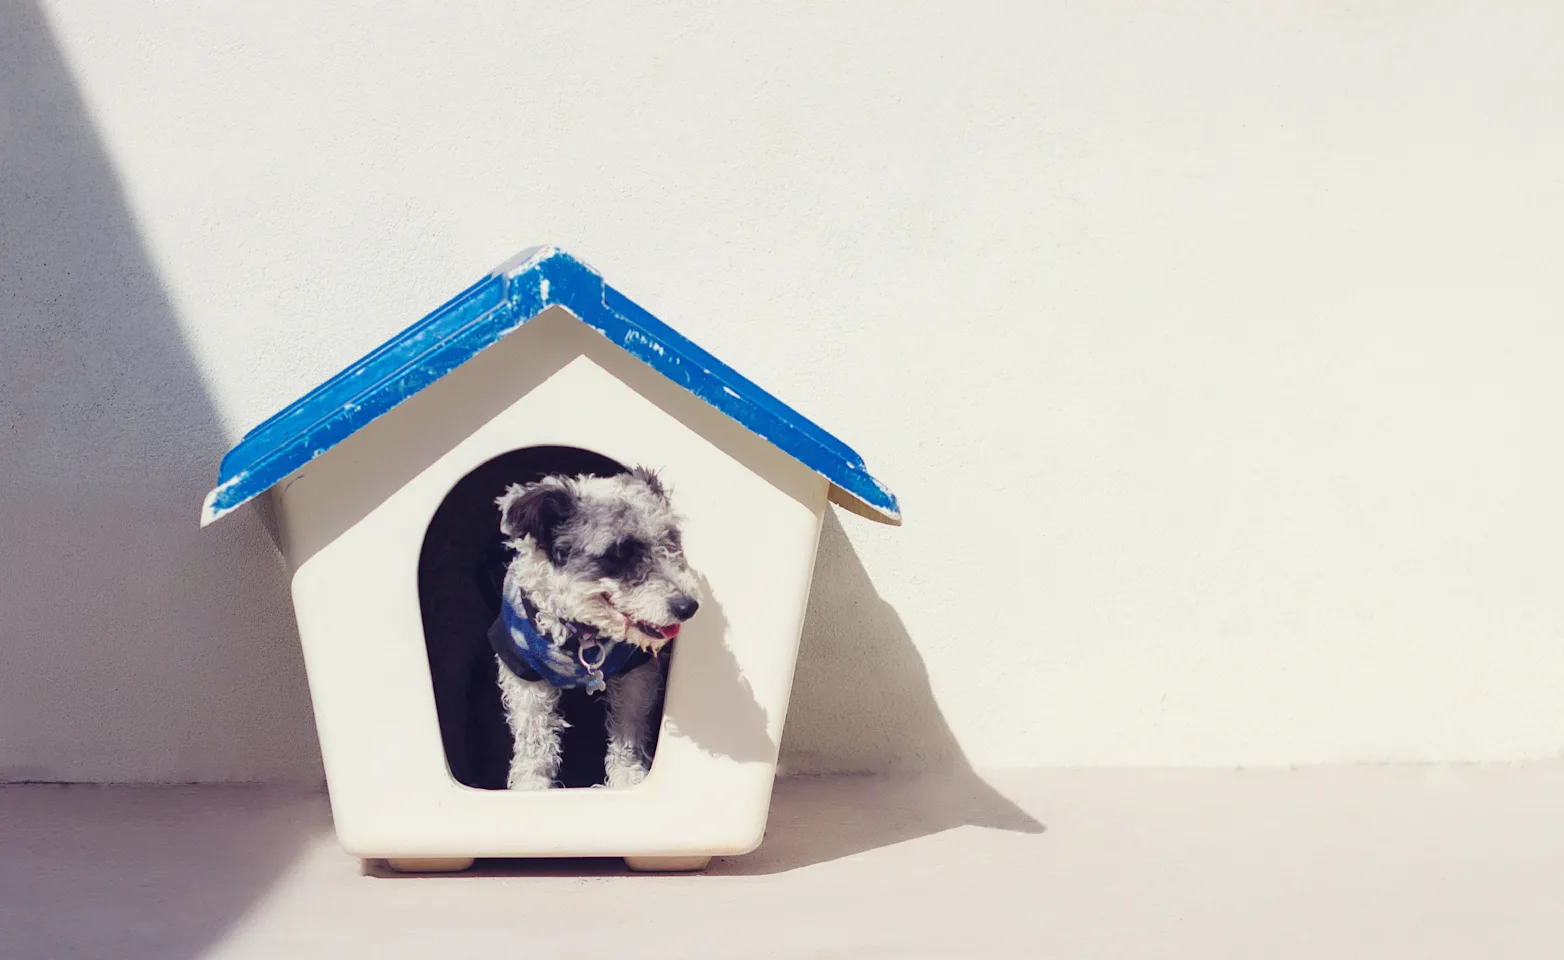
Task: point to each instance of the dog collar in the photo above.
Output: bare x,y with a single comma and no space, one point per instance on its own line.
585,659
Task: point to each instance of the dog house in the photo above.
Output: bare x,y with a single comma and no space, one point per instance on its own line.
384,477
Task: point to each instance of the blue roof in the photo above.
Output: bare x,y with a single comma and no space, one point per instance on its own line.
479,317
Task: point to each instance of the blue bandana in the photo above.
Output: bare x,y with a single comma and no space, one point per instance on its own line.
584,660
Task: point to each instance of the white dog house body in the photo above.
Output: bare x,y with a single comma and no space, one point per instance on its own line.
543,354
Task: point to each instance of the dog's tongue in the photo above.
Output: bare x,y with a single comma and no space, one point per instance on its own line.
670,631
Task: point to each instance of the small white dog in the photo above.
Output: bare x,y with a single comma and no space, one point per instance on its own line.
597,588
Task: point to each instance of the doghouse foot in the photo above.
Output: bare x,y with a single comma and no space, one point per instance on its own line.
667,864
429,864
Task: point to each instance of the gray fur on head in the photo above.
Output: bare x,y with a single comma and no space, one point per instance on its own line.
603,551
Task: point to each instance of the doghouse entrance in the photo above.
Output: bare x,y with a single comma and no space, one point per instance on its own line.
460,570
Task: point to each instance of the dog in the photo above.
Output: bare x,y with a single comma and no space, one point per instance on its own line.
596,591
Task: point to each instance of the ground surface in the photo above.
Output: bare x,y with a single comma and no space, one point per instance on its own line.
1375,863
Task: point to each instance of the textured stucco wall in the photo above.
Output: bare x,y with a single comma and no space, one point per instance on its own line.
1213,349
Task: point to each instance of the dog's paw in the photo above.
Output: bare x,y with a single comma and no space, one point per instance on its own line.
528,781
625,775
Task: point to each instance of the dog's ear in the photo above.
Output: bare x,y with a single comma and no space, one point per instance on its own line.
536,511
649,477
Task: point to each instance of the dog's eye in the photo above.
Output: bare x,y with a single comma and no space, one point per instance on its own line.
619,558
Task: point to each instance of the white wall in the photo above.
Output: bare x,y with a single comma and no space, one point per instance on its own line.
1212,348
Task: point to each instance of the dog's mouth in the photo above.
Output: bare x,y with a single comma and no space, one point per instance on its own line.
657,634
662,634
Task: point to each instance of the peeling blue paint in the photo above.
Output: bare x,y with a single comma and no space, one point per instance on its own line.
481,316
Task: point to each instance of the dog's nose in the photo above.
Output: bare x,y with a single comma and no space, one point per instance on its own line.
684,608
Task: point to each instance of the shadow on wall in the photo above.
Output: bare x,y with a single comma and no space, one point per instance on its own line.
862,704
182,641
136,648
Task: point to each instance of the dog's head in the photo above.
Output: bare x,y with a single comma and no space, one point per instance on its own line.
603,551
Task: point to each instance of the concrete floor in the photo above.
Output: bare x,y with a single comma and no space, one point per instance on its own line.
1386,863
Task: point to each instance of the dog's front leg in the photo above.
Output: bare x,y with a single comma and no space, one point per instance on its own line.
532,711
631,697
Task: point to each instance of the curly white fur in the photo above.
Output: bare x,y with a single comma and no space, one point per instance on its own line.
531,710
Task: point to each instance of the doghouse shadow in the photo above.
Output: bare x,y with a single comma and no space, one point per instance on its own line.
136,647
862,704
